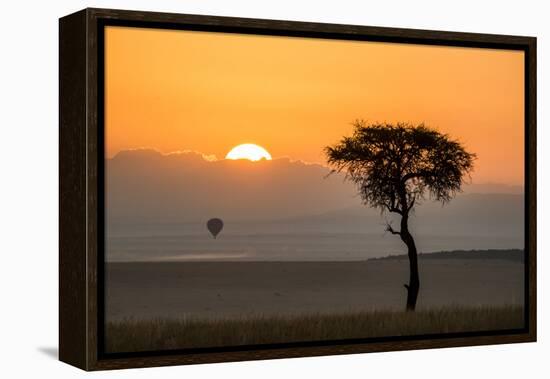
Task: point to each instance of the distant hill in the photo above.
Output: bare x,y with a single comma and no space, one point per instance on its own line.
467,214
514,255
145,186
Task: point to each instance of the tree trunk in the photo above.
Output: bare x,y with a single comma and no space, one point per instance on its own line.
414,281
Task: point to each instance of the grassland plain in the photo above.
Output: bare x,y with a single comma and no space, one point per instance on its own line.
229,290
132,335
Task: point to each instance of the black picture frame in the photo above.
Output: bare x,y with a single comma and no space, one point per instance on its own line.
81,187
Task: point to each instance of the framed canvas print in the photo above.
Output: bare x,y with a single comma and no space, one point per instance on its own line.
237,189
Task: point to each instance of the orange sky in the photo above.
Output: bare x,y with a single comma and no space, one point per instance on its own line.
179,90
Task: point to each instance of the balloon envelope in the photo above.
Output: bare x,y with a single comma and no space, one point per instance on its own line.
215,226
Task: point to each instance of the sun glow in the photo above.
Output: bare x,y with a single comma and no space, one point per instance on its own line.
248,151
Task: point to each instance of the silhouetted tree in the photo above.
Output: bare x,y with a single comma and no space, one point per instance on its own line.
395,167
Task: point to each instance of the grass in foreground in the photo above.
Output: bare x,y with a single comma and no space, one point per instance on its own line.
164,334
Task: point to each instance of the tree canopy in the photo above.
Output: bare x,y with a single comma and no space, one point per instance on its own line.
396,166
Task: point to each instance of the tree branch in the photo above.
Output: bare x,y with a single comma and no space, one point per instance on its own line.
411,204
412,175
394,209
392,230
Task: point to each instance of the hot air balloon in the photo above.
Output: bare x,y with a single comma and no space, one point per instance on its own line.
215,226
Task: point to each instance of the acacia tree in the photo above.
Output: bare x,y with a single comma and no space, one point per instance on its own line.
395,167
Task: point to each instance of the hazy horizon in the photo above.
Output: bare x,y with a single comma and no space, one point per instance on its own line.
281,210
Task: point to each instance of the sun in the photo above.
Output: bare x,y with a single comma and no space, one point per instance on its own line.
248,151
